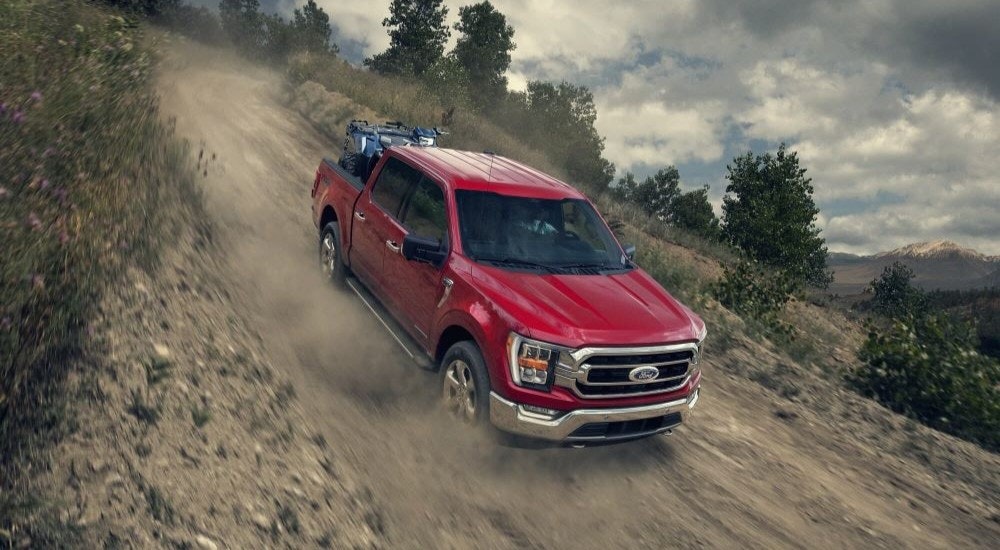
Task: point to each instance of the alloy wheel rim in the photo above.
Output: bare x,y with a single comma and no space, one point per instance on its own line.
460,391
328,254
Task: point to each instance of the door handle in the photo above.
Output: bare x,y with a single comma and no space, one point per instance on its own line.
359,215
392,245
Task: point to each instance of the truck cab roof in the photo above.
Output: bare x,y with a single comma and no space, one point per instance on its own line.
487,172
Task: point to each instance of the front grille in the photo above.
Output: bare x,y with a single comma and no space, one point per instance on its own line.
618,374
626,428
608,375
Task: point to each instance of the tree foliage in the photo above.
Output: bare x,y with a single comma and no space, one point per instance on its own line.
418,35
483,50
655,194
660,196
692,211
146,7
894,296
925,366
268,36
311,26
559,119
769,213
243,24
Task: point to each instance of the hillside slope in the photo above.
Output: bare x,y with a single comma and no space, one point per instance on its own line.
777,456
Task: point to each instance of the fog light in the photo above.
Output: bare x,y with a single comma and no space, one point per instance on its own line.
542,411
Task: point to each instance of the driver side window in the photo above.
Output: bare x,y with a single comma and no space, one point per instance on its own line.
424,213
393,182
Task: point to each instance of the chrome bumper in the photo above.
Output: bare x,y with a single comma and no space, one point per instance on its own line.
514,418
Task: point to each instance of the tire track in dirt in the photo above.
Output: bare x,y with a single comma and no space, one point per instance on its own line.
737,476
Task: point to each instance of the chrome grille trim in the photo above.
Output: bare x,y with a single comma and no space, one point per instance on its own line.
573,371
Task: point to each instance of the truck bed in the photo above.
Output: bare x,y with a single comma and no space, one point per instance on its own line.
350,178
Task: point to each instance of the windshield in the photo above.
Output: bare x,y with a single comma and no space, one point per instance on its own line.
524,233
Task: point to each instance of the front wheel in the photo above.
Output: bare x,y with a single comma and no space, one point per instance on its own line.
465,384
330,259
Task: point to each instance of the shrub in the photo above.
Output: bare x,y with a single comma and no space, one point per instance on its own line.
926,368
83,156
752,291
894,296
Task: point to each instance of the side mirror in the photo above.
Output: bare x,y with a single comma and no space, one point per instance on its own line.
630,252
422,249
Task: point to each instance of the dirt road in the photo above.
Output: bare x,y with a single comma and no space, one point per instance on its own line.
737,476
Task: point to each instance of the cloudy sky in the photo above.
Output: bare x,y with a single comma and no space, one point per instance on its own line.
891,104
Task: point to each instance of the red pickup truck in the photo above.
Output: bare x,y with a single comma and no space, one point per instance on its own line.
510,283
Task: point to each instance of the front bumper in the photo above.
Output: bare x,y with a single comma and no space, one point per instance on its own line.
592,425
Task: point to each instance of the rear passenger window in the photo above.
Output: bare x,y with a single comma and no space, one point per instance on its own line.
425,213
393,182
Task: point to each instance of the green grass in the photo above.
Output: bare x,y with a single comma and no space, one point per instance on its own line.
91,181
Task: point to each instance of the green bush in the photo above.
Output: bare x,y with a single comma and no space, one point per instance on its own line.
752,291
90,184
926,368
894,295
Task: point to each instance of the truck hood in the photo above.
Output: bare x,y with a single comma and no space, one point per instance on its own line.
576,310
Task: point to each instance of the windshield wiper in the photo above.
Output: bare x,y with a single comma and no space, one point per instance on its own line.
520,262
590,265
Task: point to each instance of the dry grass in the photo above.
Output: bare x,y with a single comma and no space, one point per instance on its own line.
91,182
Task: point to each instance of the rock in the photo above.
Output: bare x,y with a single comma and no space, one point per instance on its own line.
204,542
296,477
97,465
161,351
260,520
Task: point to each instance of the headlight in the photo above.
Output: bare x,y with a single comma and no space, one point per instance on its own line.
532,363
701,345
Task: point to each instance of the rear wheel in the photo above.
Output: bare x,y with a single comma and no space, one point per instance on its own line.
330,259
465,384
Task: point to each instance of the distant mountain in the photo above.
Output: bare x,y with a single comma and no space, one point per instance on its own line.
940,265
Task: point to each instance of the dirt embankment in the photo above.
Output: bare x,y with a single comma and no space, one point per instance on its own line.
757,467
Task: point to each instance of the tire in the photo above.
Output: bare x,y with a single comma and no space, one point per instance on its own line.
349,162
330,259
465,384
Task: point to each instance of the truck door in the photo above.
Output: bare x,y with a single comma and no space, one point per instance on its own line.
417,287
374,216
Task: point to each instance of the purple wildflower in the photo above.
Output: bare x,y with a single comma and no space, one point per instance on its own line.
63,237
3,108
34,222
36,96
38,281
6,323
49,152
43,185
61,194
17,117
4,193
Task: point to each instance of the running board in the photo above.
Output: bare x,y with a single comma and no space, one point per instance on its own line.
405,341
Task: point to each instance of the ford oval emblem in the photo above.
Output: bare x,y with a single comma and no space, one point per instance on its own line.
643,374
